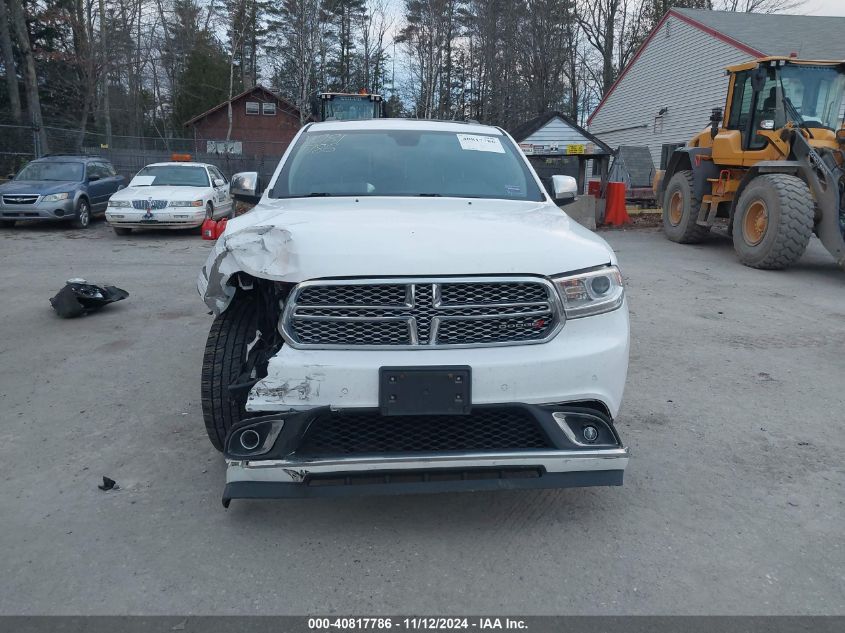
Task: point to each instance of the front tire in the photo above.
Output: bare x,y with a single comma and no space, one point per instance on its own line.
82,219
225,352
680,210
773,221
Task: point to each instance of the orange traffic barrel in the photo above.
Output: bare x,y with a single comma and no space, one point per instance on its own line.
615,212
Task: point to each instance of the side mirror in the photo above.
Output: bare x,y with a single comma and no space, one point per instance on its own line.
93,177
219,182
10,176
245,186
565,188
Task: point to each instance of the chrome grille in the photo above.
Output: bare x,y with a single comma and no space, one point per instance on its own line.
143,205
464,312
20,199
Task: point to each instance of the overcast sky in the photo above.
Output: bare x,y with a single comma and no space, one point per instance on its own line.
823,7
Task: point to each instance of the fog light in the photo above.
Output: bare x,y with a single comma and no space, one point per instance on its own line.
590,433
250,439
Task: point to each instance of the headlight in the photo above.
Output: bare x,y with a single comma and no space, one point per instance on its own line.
119,204
186,203
55,197
590,293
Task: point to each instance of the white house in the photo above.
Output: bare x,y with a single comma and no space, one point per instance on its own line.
666,92
555,144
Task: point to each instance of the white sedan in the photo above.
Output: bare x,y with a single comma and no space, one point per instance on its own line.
176,195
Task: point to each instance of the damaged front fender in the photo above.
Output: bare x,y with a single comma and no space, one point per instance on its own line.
265,252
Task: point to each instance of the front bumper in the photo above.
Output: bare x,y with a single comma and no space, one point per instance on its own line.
59,210
326,453
167,218
586,361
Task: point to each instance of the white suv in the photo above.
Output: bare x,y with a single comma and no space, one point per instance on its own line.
407,310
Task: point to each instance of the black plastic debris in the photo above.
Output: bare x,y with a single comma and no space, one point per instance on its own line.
79,297
108,484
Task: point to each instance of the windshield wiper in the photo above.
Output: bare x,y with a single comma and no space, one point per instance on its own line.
429,195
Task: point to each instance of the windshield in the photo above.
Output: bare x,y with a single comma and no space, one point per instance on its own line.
814,92
51,171
349,108
405,163
174,175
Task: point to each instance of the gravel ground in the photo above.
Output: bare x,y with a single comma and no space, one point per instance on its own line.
733,501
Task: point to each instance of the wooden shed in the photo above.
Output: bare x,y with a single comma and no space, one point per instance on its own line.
263,125
555,144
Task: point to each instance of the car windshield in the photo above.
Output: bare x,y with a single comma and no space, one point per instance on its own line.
405,163
52,170
174,175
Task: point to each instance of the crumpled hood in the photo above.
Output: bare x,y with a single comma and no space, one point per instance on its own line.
161,192
43,187
297,240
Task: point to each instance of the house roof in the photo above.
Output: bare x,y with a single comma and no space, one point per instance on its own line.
810,36
755,34
524,130
259,88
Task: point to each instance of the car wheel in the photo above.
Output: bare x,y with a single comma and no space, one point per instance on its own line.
82,219
7,224
122,230
225,352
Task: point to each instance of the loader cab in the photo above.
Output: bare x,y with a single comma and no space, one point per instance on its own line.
337,106
765,95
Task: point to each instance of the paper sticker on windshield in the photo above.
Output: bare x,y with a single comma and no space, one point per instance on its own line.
142,181
478,143
513,190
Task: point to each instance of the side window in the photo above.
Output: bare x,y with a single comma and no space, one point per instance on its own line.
741,102
216,173
108,170
766,114
92,171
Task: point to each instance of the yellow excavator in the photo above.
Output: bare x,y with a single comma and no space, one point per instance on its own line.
771,164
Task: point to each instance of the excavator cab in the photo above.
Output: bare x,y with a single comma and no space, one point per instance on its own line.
771,163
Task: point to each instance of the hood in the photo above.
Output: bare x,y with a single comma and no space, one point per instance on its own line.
297,240
38,186
162,192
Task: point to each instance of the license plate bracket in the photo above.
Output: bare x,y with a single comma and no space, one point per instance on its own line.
430,390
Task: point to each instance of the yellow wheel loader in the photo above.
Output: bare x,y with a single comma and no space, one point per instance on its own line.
771,164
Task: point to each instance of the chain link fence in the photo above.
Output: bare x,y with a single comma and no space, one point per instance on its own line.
19,144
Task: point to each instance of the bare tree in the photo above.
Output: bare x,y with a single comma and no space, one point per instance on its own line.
9,64
758,6
18,20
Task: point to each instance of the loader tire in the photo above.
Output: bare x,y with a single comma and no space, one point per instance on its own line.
773,221
225,351
680,210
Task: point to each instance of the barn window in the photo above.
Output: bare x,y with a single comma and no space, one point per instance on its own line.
268,109
252,107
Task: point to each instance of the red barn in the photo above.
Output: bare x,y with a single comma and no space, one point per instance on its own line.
263,125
